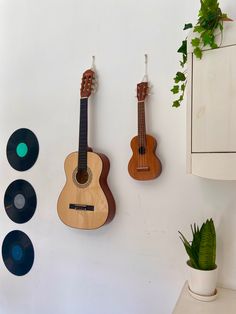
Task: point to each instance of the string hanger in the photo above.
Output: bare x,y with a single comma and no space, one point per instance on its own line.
145,78
93,63
93,68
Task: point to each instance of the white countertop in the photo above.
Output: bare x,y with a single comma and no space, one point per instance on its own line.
225,303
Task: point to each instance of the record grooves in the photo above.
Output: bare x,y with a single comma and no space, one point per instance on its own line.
17,253
20,201
22,149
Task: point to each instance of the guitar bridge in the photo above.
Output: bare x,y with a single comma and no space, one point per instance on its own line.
81,207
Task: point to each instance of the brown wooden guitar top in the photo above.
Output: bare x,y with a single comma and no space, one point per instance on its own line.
95,193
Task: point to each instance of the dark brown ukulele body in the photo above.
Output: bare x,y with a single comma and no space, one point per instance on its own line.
144,164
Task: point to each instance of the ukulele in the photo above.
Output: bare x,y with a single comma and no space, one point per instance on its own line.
86,201
144,164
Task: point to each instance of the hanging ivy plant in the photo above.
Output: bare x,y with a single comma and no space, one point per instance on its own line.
210,19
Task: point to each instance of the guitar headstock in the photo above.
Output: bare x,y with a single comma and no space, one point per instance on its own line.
87,84
142,91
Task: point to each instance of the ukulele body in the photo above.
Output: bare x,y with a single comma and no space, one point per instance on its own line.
144,164
87,205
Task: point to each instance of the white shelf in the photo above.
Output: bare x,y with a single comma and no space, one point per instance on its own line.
224,304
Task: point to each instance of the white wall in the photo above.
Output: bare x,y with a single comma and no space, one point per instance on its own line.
136,264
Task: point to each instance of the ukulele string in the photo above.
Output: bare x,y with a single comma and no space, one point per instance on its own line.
143,135
140,137
144,138
140,106
145,79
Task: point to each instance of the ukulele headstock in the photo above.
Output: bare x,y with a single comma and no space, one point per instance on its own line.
142,91
87,84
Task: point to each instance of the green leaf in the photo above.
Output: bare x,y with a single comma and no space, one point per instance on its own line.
183,87
208,38
214,45
196,239
181,98
176,104
183,47
175,89
179,77
198,52
182,63
207,246
195,42
187,26
198,29
224,16
189,250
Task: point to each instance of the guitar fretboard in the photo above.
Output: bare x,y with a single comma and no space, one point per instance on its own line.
83,134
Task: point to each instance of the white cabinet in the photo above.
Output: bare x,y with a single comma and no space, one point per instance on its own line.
211,113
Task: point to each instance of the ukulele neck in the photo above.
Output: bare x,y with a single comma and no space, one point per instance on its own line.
141,124
83,134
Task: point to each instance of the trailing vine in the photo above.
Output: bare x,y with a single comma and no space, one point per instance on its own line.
210,19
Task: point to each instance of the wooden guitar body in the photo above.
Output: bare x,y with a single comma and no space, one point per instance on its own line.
144,164
87,205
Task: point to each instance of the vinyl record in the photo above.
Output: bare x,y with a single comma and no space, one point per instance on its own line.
20,201
17,253
22,149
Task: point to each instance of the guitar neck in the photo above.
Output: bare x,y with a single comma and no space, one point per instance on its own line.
83,134
141,124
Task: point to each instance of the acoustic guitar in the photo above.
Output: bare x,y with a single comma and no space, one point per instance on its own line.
86,201
144,164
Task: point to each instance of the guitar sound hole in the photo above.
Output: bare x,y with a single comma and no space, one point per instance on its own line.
82,176
141,150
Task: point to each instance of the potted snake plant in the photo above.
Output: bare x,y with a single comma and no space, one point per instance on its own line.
202,259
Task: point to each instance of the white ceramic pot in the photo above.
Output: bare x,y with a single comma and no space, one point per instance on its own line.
202,282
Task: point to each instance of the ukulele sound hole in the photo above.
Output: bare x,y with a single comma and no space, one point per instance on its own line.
141,150
82,176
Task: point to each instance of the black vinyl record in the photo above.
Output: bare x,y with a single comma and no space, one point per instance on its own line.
22,149
20,201
17,253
